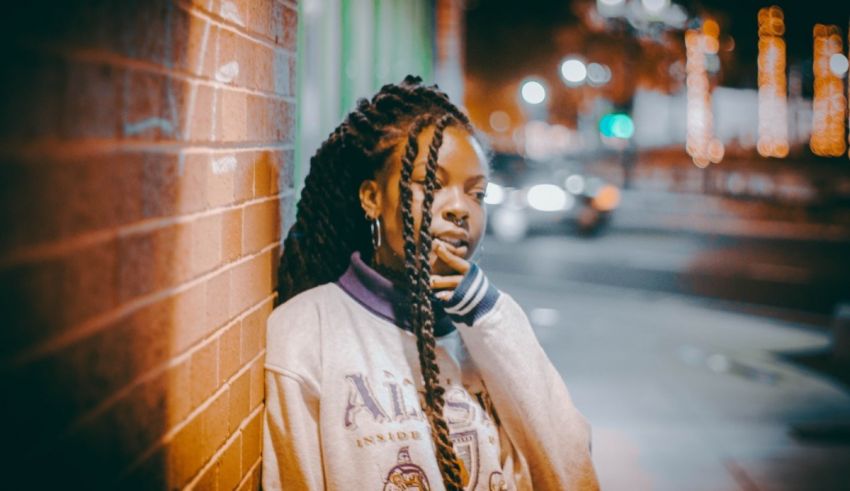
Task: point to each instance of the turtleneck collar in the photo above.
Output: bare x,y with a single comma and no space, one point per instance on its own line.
378,294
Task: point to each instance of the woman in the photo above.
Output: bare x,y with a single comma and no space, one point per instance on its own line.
393,363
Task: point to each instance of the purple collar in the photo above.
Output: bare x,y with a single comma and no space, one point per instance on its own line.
378,294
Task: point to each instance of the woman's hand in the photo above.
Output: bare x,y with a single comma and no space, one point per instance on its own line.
446,284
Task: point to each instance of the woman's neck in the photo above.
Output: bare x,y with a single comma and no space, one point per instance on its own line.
395,276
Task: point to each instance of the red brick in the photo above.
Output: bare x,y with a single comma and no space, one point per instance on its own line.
93,94
231,235
162,184
206,243
240,398
194,42
78,378
243,177
258,392
218,299
233,123
172,257
63,198
198,126
186,452
216,427
231,49
290,27
254,331
149,107
204,372
193,183
188,326
89,281
220,179
252,481
250,282
262,226
148,30
252,440
262,74
209,479
125,430
264,170
137,273
229,351
179,392
230,469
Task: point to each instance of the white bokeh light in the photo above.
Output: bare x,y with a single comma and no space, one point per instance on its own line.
655,6
495,194
548,197
574,71
838,64
533,92
598,74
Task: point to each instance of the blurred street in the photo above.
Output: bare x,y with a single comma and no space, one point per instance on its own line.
685,392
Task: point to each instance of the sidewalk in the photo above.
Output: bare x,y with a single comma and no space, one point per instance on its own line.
683,397
707,214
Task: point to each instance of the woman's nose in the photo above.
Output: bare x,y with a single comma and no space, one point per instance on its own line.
454,208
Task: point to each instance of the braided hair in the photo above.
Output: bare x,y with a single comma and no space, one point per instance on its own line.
330,225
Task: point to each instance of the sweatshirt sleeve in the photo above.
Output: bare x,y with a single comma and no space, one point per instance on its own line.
291,448
292,454
531,399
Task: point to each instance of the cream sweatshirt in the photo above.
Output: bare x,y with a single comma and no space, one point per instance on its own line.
343,390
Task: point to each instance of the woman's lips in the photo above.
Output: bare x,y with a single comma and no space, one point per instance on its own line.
457,247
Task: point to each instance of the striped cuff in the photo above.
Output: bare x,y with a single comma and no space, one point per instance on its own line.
472,298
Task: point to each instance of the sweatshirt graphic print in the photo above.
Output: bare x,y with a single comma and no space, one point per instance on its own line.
344,396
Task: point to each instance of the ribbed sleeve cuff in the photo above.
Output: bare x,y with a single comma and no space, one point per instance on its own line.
472,298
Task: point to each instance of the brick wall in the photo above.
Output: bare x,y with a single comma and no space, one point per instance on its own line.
146,153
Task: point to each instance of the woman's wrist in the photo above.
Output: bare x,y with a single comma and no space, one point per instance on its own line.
474,297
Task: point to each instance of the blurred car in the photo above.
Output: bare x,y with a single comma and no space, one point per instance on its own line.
524,196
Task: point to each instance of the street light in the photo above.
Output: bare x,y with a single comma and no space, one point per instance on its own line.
573,71
533,92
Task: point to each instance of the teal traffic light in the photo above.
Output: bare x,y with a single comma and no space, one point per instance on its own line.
617,125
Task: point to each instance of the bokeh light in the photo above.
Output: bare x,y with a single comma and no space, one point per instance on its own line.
574,71
773,103
830,103
533,92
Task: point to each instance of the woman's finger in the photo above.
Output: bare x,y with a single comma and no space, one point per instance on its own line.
457,263
439,282
444,295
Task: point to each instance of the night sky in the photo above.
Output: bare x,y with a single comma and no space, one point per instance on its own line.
508,36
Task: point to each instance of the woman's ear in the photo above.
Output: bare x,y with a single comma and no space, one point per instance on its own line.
370,197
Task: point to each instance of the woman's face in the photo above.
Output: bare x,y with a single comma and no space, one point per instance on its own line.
457,215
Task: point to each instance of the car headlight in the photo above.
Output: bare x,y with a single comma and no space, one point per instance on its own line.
495,194
548,197
574,184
